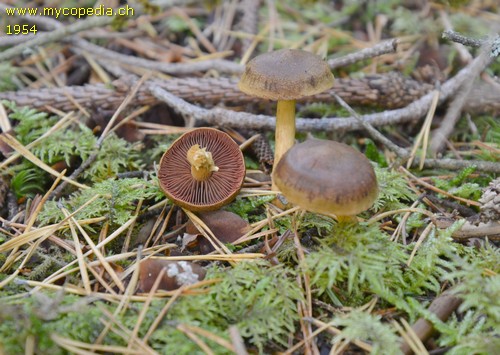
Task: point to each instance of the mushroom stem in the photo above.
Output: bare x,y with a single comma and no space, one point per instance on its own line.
202,163
347,219
285,130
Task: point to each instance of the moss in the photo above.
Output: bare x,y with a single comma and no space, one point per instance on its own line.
394,192
357,261
248,208
25,317
259,299
359,325
116,200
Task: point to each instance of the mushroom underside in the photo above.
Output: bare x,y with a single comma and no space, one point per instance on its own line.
178,183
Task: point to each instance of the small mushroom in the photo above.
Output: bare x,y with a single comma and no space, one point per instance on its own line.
327,177
285,76
176,274
202,170
226,226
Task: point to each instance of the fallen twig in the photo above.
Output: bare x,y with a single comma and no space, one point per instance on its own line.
455,164
390,90
376,135
442,307
222,66
459,38
412,112
388,46
441,134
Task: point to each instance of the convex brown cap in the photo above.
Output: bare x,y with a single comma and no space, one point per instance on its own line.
175,274
226,226
286,74
327,177
223,180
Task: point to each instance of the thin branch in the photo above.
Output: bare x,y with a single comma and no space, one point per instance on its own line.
83,166
459,38
13,40
222,117
441,134
463,52
455,164
384,47
493,42
223,66
376,135
442,307
390,90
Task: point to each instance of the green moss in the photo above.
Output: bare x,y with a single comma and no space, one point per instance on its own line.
358,325
7,76
372,153
394,192
259,299
72,145
117,201
458,185
28,180
114,156
249,208
354,260
357,261
36,317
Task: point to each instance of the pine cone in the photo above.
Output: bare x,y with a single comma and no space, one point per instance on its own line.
264,153
490,202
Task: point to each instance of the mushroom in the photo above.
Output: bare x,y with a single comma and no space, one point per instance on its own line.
176,274
226,226
327,177
202,170
285,76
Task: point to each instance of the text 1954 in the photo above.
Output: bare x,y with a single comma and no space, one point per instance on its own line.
20,29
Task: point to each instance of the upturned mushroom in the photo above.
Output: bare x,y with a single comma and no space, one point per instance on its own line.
202,170
327,177
285,76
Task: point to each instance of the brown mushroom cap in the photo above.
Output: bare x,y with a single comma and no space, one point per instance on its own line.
220,188
286,74
327,177
176,274
225,225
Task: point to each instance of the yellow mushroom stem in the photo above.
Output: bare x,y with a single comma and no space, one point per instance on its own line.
285,130
202,163
347,219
